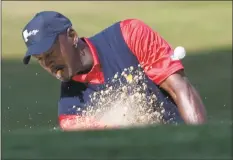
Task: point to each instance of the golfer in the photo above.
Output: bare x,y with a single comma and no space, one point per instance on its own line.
88,65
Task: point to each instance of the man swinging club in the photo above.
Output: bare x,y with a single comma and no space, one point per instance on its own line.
85,65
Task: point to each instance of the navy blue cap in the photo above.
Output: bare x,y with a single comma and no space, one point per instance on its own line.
41,32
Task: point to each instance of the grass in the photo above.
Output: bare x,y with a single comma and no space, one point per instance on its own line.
29,95
202,142
195,25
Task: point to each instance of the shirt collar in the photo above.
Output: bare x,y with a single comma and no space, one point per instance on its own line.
95,69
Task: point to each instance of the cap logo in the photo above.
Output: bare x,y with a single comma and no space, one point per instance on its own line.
27,34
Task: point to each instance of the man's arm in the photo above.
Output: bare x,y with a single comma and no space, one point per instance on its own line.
70,107
186,97
155,56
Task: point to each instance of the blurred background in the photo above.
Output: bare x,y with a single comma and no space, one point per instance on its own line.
203,28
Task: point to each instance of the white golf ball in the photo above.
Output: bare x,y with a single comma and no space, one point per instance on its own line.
179,52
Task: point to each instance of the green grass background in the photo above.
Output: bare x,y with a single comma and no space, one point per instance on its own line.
30,95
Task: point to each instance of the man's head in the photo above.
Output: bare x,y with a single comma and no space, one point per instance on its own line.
50,38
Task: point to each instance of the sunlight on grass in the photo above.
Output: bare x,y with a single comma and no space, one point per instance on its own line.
194,25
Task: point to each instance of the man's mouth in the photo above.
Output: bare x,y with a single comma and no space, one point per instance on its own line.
57,68
58,71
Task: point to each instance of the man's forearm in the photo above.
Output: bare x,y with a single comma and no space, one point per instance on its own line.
186,98
190,105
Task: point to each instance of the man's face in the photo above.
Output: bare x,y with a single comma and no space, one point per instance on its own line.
62,60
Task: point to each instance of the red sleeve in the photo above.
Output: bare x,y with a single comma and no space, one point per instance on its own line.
151,50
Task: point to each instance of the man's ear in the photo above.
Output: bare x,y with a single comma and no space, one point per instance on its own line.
72,34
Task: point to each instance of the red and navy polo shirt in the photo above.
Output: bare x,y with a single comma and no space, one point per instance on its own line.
151,50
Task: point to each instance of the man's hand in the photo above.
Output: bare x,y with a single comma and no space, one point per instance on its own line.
80,123
186,98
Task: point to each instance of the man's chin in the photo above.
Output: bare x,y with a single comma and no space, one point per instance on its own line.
63,79
68,78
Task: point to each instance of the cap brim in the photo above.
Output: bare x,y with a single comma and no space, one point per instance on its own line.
39,48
